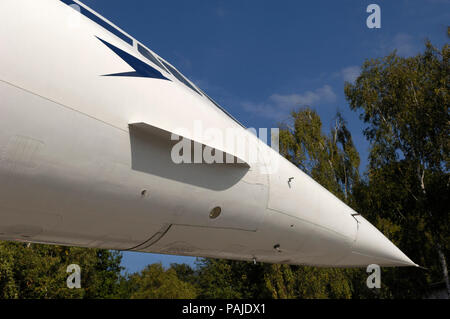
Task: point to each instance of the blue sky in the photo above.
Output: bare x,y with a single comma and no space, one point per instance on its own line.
260,59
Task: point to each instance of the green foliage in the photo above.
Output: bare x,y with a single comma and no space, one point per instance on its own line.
332,160
231,279
154,282
405,104
39,271
300,282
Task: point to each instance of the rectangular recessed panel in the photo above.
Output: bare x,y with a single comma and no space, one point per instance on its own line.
150,56
180,77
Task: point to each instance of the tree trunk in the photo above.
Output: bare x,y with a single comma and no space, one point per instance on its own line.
439,248
444,269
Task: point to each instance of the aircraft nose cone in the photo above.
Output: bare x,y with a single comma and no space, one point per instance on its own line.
372,247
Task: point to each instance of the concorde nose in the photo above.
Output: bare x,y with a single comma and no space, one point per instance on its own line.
372,247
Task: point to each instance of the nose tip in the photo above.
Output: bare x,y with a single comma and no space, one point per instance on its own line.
372,247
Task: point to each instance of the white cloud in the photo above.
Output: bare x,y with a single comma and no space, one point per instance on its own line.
405,44
324,93
350,73
278,106
265,110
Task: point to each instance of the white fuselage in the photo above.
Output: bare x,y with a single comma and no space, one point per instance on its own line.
73,171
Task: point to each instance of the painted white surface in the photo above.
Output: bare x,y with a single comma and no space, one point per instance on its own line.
72,171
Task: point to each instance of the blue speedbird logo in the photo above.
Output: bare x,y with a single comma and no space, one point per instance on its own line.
141,69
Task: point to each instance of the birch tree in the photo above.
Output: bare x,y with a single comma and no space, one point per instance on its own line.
405,105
